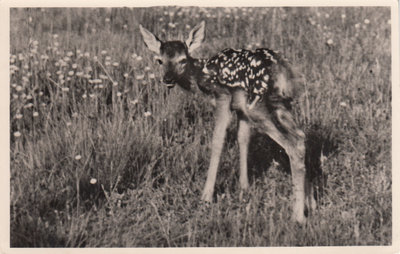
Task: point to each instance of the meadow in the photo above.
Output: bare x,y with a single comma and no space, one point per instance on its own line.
103,155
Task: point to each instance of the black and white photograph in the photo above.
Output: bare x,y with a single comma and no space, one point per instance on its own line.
200,126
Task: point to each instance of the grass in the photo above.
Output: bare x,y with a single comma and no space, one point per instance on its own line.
102,155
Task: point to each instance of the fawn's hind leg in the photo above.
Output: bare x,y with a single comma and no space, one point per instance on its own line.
280,126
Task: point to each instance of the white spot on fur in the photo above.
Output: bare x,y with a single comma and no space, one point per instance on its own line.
225,72
234,84
260,72
264,85
205,70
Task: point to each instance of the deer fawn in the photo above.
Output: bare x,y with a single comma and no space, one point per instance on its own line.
234,78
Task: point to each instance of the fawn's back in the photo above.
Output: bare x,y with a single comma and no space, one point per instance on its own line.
257,72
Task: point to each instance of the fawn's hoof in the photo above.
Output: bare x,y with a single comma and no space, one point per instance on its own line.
244,195
312,204
206,196
300,219
244,184
298,214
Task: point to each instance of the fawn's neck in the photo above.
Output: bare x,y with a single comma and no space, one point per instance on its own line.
194,76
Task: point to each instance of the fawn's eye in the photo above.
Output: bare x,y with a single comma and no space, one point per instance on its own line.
183,61
159,61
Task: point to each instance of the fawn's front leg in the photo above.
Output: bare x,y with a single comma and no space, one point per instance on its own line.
222,120
243,140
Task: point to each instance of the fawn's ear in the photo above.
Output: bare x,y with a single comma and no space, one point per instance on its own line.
151,41
196,37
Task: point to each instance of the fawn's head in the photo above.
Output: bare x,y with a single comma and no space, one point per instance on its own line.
174,56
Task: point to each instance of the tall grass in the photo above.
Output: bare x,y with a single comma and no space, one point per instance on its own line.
103,155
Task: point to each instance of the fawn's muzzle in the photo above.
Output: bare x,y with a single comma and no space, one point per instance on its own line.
170,83
169,80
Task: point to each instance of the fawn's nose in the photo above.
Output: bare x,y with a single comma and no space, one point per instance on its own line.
168,80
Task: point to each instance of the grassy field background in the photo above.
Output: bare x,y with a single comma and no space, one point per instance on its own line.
102,155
